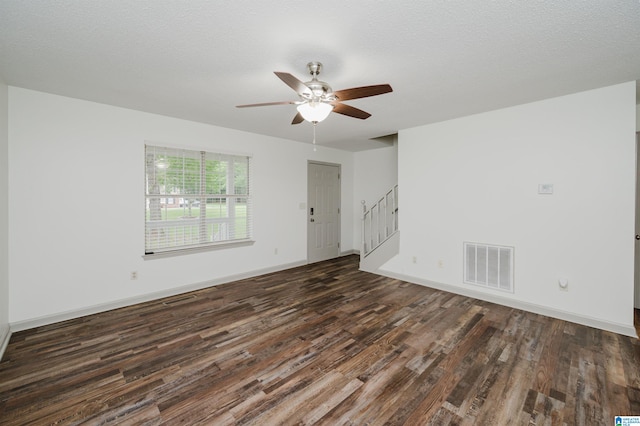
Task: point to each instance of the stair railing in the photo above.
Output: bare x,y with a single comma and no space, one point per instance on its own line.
380,221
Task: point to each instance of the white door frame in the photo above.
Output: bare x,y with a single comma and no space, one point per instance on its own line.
636,281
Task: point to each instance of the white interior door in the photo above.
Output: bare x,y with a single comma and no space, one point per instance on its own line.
637,250
323,212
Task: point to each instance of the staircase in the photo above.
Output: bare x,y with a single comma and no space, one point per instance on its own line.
380,234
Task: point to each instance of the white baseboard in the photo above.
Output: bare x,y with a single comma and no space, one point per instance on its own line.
103,307
624,329
5,336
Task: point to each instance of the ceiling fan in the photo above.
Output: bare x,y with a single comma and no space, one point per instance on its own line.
317,99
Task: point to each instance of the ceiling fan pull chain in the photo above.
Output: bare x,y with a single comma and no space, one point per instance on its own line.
314,135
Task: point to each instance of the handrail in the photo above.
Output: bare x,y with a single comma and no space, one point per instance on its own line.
380,221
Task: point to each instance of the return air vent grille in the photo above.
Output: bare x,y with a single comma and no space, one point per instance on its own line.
489,266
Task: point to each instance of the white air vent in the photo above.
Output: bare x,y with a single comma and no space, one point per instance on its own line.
488,266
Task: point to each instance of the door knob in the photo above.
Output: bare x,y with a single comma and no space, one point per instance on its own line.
313,220
637,237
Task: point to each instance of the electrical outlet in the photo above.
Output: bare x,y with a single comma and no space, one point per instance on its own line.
275,250
414,259
134,275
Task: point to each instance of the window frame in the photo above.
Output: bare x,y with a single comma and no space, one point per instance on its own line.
203,195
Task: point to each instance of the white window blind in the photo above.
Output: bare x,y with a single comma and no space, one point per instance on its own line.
195,199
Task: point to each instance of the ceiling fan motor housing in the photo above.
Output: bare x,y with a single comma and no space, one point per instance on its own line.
321,90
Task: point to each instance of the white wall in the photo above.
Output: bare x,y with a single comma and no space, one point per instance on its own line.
4,218
376,171
76,206
476,179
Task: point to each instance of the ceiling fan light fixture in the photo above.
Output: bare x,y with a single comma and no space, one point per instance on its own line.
315,112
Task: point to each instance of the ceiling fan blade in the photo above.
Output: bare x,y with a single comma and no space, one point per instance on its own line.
362,92
297,119
294,83
266,104
350,111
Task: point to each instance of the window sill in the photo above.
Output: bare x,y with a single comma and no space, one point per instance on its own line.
199,249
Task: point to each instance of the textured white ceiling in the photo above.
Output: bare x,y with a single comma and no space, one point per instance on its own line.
197,59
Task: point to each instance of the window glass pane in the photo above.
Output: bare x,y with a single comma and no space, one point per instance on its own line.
240,177
216,176
241,215
217,207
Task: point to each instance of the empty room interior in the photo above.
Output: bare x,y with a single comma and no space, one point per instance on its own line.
339,213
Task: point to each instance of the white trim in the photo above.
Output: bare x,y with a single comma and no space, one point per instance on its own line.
529,307
5,336
103,307
197,249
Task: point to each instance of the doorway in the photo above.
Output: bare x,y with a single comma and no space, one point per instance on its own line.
636,280
323,211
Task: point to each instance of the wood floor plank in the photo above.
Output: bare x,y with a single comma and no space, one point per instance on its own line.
321,344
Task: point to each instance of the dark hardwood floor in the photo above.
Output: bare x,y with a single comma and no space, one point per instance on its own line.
320,344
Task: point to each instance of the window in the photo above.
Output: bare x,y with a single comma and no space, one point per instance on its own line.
195,199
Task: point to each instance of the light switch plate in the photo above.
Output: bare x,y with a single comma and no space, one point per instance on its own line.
545,188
